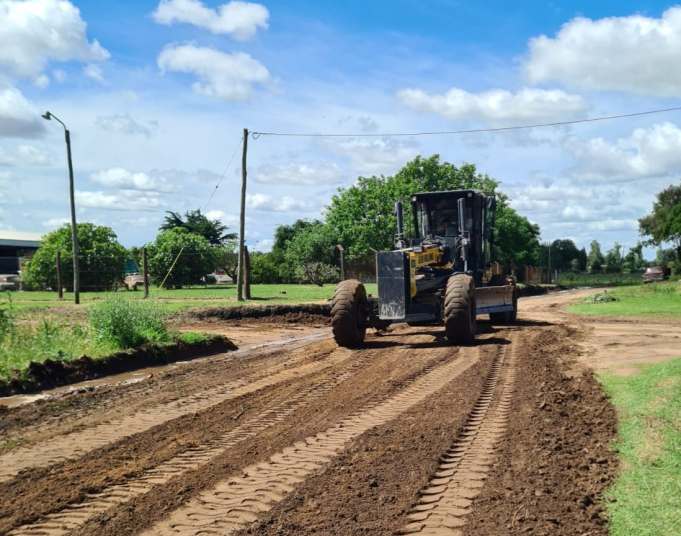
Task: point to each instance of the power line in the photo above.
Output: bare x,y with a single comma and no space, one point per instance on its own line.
257,134
224,174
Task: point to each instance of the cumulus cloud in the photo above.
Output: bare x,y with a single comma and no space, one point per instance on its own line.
227,219
240,20
634,53
128,180
497,105
126,124
302,174
18,118
94,72
647,152
268,203
24,155
53,223
34,32
122,200
375,156
222,75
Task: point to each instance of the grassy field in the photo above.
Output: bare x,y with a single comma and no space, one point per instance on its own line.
661,299
186,298
647,494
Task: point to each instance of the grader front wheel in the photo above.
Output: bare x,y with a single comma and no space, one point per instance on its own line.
459,313
349,313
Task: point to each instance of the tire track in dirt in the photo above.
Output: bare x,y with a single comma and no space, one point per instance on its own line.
238,501
76,515
446,500
76,444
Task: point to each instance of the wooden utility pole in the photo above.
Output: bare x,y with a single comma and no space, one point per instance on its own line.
145,271
60,286
242,222
247,274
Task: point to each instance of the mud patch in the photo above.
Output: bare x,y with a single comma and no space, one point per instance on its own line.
556,462
307,313
51,373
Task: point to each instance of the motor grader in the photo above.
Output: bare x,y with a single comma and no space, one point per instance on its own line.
440,276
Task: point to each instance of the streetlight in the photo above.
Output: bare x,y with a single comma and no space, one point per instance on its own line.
74,234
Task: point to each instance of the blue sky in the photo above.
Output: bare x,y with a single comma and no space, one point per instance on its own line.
156,95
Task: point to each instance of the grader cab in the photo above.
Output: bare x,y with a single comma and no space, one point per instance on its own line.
438,276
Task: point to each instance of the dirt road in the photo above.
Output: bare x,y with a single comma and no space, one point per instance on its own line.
406,436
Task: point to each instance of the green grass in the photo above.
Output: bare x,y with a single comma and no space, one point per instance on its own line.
186,298
570,279
660,299
646,497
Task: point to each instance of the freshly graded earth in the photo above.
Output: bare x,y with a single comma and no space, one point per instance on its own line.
291,435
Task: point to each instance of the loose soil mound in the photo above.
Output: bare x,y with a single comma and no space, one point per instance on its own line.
307,313
557,462
51,373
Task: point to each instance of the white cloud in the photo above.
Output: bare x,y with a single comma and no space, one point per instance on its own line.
53,223
241,20
125,124
497,105
264,245
268,203
634,53
303,174
42,81
34,32
94,72
128,180
375,156
122,200
18,118
647,152
223,75
228,219
24,155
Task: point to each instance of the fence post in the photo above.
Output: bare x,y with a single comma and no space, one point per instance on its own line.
60,287
145,269
247,274
341,250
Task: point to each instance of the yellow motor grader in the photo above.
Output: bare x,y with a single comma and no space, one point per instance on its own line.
439,276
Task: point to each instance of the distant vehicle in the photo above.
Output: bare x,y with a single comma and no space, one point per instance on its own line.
655,273
133,281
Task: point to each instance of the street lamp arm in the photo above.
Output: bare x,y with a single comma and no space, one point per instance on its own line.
49,115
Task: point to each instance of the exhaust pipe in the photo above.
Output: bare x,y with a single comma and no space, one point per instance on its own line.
399,237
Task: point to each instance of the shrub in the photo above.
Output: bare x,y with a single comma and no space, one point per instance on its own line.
101,259
317,273
128,323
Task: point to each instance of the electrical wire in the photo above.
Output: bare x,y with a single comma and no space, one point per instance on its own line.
224,174
257,134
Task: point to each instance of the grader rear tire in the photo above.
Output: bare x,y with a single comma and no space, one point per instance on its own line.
459,313
349,312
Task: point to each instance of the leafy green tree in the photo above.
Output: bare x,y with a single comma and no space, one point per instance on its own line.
317,273
633,260
314,243
286,272
516,239
195,222
595,259
562,253
265,268
614,259
664,223
583,260
227,258
665,257
101,259
195,256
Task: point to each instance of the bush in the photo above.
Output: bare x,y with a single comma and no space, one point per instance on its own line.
317,273
197,258
128,323
101,259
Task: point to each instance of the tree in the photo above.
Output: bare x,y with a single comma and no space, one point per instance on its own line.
101,259
362,217
664,223
265,268
595,259
583,260
196,258
227,258
614,259
516,239
633,260
311,252
195,222
285,272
